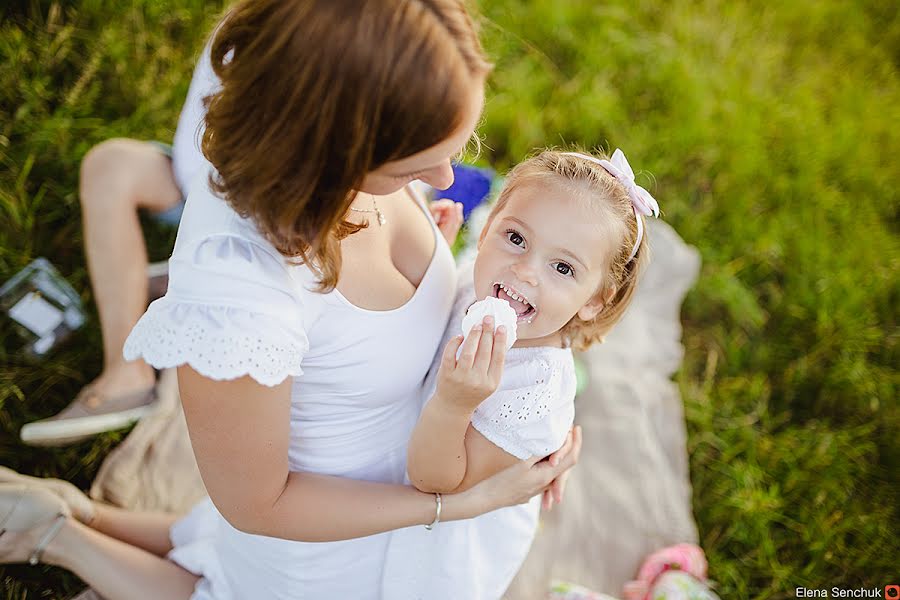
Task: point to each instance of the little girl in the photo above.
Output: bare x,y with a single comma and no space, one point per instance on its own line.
563,246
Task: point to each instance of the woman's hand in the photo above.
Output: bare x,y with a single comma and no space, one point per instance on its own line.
553,494
463,383
449,218
521,482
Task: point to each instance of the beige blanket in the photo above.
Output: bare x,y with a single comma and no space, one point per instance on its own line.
629,495
154,468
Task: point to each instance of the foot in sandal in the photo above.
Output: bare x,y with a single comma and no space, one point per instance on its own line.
81,507
91,412
30,517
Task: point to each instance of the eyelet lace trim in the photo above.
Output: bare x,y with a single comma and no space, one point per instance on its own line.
213,343
504,417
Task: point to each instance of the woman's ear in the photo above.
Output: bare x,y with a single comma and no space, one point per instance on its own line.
596,304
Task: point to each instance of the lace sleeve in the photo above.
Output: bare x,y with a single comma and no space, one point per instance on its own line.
231,310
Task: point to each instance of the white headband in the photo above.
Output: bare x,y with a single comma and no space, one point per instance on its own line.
641,200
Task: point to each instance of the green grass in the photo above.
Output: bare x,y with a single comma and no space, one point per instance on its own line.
770,132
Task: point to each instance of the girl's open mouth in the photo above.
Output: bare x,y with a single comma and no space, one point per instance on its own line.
524,309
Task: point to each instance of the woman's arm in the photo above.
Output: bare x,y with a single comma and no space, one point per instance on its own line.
240,432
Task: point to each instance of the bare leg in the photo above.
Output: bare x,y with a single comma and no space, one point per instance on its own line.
146,530
117,178
117,570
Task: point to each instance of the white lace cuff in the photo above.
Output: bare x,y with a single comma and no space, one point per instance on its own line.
219,342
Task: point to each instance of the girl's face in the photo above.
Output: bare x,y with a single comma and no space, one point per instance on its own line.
546,253
431,165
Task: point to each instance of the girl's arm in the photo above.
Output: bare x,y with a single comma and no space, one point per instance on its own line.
240,432
448,459
446,454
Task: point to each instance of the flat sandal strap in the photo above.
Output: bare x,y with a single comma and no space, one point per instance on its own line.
51,532
11,510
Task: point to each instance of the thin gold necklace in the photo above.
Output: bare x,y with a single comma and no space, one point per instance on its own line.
378,214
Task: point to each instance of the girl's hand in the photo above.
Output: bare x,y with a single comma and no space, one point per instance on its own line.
464,383
449,218
526,479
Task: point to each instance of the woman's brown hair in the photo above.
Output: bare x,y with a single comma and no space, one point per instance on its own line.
610,198
316,94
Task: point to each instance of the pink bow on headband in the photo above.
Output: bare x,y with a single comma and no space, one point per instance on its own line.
641,200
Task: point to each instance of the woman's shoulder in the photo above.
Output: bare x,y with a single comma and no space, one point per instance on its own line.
232,298
220,254
207,215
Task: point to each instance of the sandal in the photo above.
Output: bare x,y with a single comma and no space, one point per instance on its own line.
89,414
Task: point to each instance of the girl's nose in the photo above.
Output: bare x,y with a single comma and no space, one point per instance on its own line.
439,177
525,273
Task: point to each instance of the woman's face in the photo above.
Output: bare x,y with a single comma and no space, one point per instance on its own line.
431,165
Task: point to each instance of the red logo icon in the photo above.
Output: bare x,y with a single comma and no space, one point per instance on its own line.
892,591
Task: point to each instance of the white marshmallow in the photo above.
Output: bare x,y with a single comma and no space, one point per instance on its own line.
503,314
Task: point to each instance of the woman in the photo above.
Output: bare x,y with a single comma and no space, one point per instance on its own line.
308,292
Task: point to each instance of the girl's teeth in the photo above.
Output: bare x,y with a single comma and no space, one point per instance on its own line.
513,294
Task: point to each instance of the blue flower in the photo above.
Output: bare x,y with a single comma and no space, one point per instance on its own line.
471,186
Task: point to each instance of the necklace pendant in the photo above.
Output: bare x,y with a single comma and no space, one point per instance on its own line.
381,219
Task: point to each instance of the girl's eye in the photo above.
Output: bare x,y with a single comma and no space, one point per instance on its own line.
564,269
514,237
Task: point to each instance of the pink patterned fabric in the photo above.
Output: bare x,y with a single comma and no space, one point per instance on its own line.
681,557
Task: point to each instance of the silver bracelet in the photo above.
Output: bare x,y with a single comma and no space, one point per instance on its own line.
437,512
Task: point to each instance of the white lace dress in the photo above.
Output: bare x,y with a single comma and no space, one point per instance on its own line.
530,414
235,307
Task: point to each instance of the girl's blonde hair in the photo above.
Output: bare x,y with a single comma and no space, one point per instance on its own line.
604,192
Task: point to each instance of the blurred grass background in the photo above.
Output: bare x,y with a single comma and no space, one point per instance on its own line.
771,133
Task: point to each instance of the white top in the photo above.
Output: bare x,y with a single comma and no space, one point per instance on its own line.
187,158
530,414
236,307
